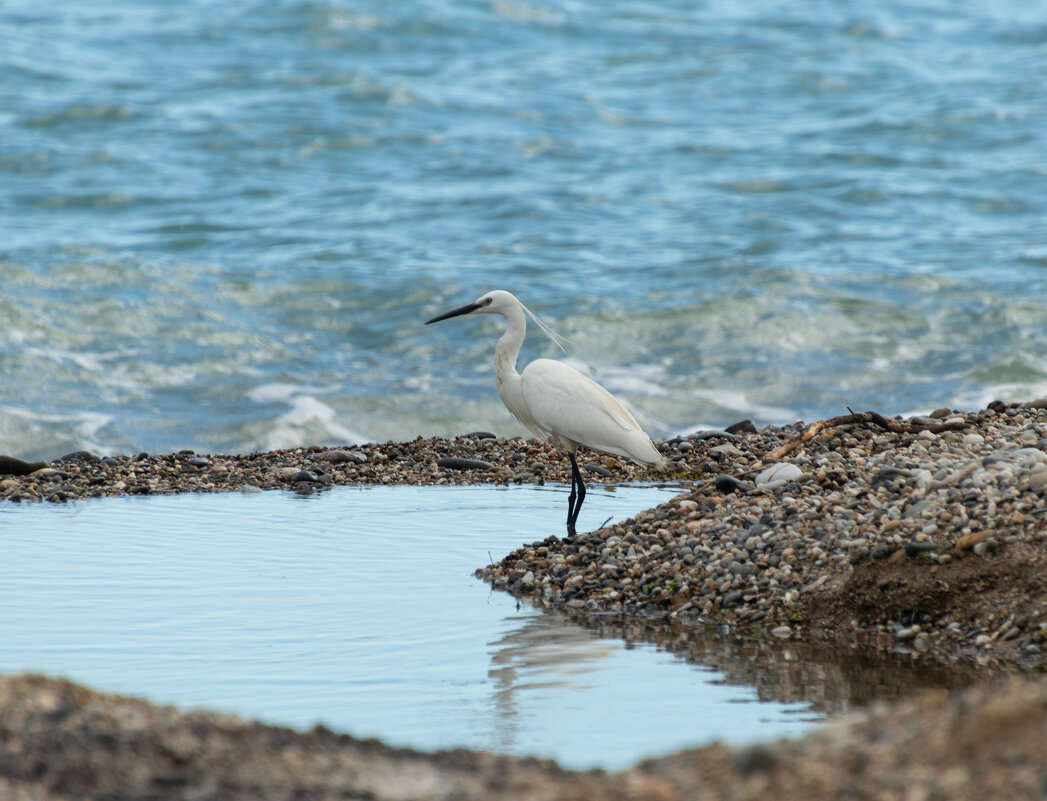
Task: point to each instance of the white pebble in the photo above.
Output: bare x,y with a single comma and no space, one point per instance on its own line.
778,474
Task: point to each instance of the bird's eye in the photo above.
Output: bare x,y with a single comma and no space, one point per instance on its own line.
487,301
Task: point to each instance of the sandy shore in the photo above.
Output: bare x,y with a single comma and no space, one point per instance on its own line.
926,535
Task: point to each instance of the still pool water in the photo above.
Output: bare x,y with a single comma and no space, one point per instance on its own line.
356,608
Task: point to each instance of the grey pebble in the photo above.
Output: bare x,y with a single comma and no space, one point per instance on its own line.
1037,482
986,546
741,427
12,466
726,450
733,598
758,758
459,463
889,473
79,456
913,549
728,483
715,434
334,457
341,457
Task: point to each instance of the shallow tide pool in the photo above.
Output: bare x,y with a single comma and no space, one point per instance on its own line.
356,608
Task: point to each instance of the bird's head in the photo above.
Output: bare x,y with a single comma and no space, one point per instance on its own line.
497,301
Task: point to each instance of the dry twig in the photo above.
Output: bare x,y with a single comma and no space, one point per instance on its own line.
897,426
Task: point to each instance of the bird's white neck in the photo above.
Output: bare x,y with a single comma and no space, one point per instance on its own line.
508,348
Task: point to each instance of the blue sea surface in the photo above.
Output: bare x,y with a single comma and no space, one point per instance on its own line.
222,225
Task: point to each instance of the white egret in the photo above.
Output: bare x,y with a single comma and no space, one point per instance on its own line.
557,402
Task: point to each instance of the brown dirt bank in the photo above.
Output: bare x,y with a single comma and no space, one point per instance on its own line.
62,741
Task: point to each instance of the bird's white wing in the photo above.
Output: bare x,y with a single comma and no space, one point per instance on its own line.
574,408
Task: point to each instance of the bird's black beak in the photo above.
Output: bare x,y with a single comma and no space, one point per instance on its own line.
471,307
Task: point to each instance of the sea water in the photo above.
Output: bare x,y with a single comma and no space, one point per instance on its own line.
223,225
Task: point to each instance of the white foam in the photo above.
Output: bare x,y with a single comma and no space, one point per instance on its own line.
738,401
84,428
309,420
269,393
636,380
980,397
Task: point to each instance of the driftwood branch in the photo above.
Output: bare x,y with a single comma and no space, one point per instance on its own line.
897,426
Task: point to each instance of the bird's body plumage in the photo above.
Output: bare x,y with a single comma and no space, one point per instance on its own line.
575,410
557,402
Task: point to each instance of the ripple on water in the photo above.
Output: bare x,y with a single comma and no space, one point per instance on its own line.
358,608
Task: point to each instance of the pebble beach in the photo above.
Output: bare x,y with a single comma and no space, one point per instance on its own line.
924,541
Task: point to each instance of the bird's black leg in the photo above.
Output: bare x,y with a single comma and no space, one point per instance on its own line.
573,506
571,499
